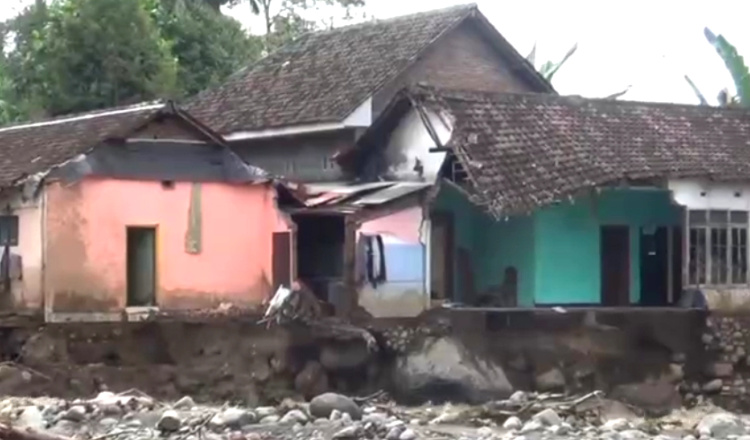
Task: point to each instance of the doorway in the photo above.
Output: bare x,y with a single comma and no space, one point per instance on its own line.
320,254
441,256
615,265
654,266
141,266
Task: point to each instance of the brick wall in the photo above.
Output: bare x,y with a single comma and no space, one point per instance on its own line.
463,58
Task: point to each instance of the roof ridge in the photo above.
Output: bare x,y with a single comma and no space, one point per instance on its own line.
71,117
468,95
467,7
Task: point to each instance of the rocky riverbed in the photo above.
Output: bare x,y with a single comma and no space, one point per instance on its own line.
134,415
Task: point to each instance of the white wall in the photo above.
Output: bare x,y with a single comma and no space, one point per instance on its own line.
411,140
697,194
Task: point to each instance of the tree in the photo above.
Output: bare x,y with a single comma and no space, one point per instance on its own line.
295,17
208,46
76,55
737,68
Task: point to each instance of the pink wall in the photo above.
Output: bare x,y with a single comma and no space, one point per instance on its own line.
402,224
86,243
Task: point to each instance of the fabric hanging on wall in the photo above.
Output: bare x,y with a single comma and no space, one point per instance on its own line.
194,234
381,278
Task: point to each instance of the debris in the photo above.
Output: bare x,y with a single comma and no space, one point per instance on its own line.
294,416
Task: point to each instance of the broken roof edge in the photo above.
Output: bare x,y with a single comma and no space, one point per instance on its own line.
157,110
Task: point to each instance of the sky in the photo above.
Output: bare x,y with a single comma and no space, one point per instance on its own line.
648,45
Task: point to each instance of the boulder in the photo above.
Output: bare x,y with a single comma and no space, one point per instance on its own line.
324,404
294,416
76,413
513,422
186,402
344,355
312,380
720,370
548,417
713,386
236,417
32,418
442,369
657,398
169,422
719,426
552,380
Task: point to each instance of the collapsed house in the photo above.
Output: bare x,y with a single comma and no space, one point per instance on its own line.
546,200
130,210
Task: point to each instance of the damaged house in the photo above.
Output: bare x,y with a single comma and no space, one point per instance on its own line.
298,112
547,200
129,210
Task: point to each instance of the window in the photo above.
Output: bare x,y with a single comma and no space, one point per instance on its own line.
9,230
717,247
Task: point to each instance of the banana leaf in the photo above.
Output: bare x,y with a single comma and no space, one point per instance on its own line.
735,64
697,91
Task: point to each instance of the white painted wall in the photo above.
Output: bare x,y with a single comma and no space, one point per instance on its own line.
698,194
27,294
411,140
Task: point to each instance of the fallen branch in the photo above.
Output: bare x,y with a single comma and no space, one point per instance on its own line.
10,433
25,368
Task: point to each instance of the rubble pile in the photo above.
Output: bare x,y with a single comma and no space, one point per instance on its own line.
524,416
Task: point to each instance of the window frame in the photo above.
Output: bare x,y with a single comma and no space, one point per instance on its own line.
708,224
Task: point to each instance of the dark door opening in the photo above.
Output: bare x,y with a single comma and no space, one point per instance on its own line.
442,250
654,266
282,264
320,254
141,266
677,242
615,265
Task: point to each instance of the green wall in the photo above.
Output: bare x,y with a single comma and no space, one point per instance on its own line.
555,250
567,241
494,245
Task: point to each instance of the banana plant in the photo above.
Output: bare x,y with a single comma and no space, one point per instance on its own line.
549,68
737,68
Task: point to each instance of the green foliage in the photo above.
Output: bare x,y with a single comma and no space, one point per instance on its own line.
549,68
737,68
208,46
76,55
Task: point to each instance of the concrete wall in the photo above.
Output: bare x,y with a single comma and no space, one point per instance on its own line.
86,244
463,58
404,294
567,241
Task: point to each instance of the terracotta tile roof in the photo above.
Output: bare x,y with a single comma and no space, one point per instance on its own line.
27,149
323,76
524,151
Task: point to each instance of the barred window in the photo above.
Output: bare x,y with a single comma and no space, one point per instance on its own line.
717,247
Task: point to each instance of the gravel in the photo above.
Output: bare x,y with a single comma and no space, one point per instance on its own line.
537,417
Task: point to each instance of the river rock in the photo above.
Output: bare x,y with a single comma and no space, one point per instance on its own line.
719,426
324,404
548,417
513,422
440,364
408,434
170,421
186,402
32,418
76,413
552,380
294,416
